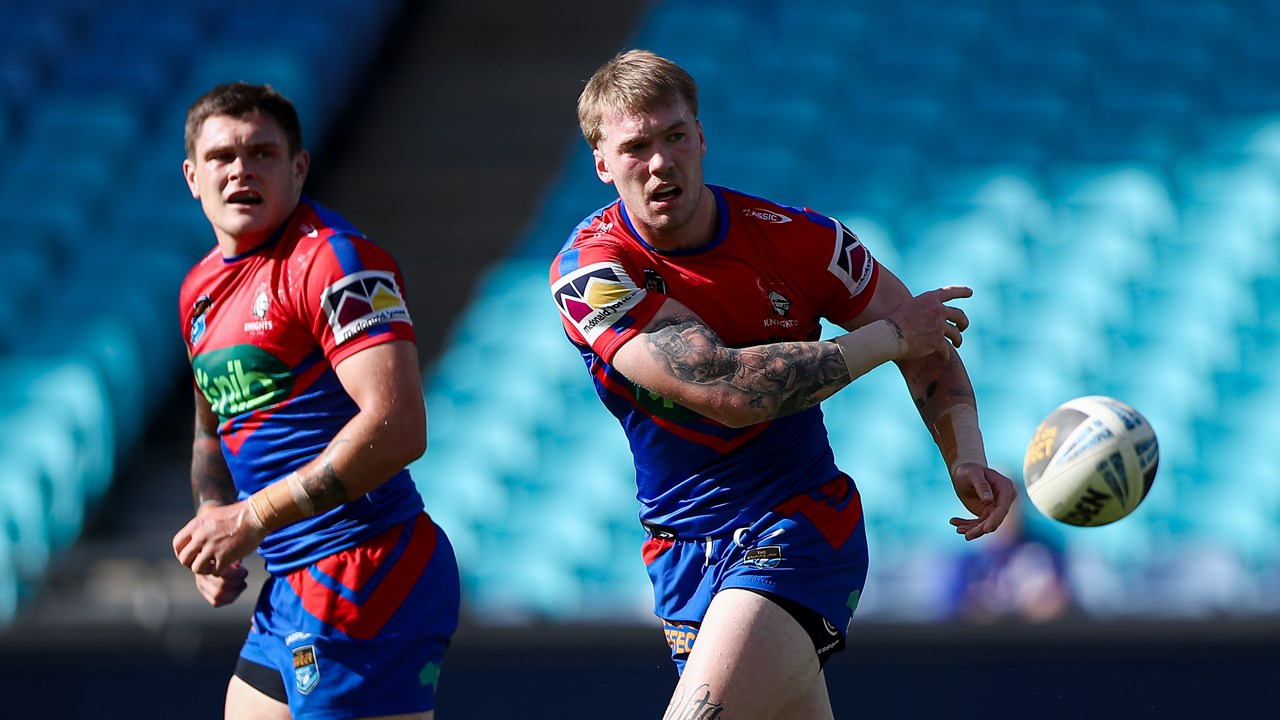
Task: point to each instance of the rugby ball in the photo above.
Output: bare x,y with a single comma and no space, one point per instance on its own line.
1091,462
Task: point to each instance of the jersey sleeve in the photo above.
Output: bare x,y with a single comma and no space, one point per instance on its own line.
353,297
857,272
601,303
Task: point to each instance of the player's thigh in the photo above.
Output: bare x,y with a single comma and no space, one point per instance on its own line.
245,702
754,660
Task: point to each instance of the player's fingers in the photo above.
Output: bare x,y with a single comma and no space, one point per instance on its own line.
957,317
952,292
204,564
180,540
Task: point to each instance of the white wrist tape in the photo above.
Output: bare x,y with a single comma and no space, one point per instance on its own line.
959,437
300,496
870,346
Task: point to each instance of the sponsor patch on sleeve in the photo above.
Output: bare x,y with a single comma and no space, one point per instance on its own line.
363,300
595,297
852,262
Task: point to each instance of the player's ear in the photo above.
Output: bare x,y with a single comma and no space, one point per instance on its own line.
702,139
189,172
602,170
301,164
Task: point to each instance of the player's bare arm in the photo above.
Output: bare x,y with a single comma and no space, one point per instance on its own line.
386,434
943,394
211,482
680,358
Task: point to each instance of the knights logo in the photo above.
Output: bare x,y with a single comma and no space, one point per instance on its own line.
198,309
261,304
306,671
781,305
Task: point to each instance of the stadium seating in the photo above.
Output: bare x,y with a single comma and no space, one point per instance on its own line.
1103,174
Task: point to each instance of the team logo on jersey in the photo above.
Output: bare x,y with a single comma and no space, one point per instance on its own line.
781,305
198,309
851,262
768,556
306,671
594,296
261,304
768,216
363,300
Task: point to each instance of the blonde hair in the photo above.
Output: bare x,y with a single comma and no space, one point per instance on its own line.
632,82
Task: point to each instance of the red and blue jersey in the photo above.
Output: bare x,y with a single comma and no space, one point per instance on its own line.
264,332
771,273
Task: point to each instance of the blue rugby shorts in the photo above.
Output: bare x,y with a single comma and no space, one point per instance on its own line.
810,550
362,632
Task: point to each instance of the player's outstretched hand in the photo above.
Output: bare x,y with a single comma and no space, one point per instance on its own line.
928,325
223,589
985,493
216,538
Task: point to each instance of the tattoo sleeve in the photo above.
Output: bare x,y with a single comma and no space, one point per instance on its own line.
210,478
776,379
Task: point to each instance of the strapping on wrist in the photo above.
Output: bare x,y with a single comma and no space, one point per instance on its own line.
281,503
959,437
870,346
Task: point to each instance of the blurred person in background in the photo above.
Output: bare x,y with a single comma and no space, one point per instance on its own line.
697,310
308,408
1020,574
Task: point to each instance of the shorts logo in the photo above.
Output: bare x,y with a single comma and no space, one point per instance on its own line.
306,672
363,300
851,262
595,296
769,556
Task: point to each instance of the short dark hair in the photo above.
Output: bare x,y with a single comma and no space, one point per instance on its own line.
238,99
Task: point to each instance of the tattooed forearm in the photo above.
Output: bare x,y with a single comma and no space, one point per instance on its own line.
210,479
326,489
937,383
777,379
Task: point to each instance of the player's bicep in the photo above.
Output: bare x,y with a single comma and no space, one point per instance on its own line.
384,379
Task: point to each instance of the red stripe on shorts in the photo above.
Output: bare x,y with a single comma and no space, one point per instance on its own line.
836,515
354,567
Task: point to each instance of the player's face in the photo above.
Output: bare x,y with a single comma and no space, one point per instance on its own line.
244,178
654,160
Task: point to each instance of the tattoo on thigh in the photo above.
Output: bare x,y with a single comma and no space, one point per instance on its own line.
693,704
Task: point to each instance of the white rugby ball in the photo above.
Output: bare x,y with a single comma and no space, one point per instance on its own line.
1091,462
